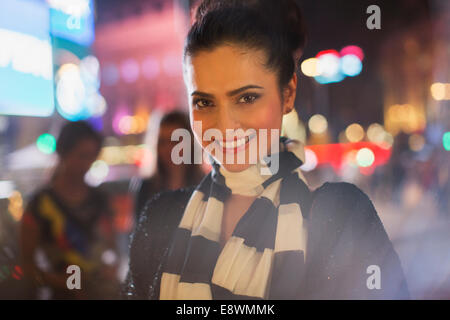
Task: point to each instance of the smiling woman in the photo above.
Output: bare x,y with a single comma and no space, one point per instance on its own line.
249,231
245,96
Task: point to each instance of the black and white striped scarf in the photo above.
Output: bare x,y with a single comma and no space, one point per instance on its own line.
264,258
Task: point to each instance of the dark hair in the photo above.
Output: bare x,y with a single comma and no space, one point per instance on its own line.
181,120
74,132
276,27
176,118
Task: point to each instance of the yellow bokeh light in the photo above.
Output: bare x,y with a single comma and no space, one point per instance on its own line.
310,67
376,133
406,117
318,124
438,91
15,206
354,132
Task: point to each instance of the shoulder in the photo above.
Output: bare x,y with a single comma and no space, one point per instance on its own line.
163,211
35,199
164,202
342,201
160,215
142,184
152,234
349,236
339,194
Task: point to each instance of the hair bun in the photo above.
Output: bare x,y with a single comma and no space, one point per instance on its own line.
284,14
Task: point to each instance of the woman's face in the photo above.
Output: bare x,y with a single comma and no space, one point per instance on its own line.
229,88
79,160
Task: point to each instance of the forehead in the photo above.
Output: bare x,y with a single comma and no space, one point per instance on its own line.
227,68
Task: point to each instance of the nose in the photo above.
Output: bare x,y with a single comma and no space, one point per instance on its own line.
227,119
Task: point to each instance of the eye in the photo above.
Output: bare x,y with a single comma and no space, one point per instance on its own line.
249,98
202,103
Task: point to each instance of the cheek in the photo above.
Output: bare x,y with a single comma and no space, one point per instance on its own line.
268,116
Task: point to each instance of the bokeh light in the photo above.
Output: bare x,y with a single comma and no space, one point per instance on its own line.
132,124
310,160
96,104
310,67
46,143
328,63
97,174
405,117
376,133
365,157
70,92
438,91
351,65
318,124
129,70
354,132
127,125
353,50
109,257
77,90
330,66
90,72
15,206
446,141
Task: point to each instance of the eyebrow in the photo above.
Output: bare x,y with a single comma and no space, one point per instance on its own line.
230,94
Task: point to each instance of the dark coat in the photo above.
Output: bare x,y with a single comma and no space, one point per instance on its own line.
345,237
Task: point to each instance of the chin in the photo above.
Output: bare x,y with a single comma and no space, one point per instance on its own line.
235,167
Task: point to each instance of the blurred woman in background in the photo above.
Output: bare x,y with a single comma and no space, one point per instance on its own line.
70,223
169,176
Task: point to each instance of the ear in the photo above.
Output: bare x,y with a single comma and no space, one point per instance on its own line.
289,94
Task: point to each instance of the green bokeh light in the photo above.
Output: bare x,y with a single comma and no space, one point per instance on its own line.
446,141
46,143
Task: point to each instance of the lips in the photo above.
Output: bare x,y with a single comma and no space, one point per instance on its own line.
235,145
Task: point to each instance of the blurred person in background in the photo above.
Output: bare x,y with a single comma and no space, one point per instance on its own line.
169,176
400,160
68,223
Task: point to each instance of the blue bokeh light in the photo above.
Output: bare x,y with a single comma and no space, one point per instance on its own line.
351,65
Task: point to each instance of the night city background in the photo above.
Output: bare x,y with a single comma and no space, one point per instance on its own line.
373,107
